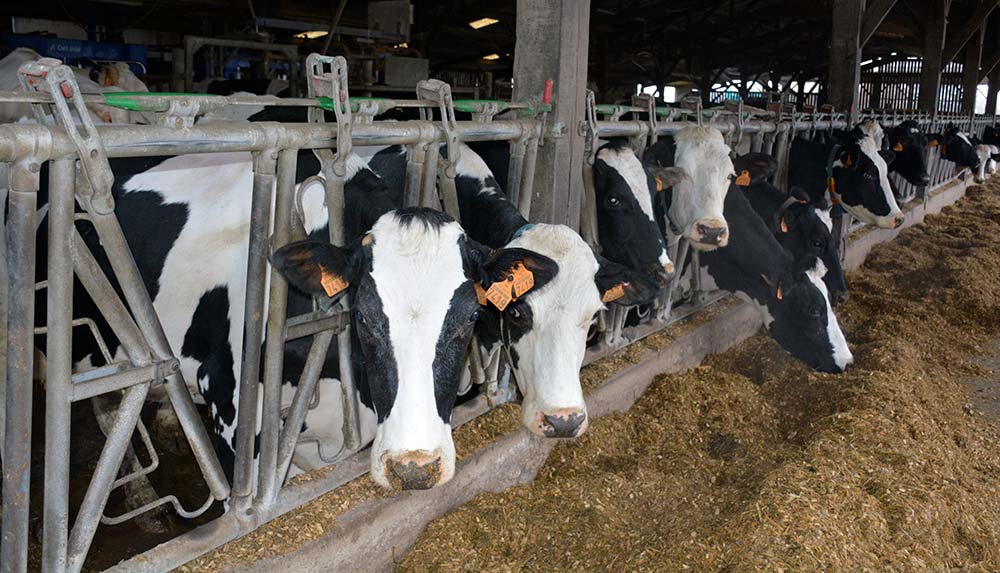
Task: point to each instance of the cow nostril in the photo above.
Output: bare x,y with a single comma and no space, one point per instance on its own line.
841,297
563,425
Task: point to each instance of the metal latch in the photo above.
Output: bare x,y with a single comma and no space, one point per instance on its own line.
52,76
332,85
440,93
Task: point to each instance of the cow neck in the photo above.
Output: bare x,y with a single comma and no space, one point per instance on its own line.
487,215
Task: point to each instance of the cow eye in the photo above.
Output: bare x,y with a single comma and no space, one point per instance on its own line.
360,318
613,201
869,177
817,244
474,316
513,312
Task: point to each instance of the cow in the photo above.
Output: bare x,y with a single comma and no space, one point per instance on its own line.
802,225
190,244
696,164
910,145
987,156
544,333
852,169
791,296
957,147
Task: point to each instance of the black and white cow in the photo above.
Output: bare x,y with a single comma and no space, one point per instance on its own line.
544,333
910,144
791,297
695,164
185,219
802,225
988,156
957,147
853,169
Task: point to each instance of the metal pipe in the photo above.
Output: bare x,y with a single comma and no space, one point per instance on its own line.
274,351
514,170
428,180
59,366
20,352
121,378
415,161
119,439
253,313
314,323
528,175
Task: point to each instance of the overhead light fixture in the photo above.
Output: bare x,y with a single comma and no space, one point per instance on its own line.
401,46
482,23
492,57
311,34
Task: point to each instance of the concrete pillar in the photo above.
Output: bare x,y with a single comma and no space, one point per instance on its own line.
552,42
845,55
970,73
991,98
935,28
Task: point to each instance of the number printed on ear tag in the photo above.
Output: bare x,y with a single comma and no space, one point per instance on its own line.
523,280
332,283
499,294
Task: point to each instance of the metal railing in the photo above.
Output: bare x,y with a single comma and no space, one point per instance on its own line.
80,176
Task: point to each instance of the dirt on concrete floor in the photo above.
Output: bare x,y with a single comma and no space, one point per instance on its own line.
751,462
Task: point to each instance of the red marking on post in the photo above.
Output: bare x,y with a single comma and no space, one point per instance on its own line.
67,90
547,95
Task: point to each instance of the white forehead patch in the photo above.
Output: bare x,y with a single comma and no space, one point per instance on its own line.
874,130
963,137
628,166
703,154
470,164
824,215
871,149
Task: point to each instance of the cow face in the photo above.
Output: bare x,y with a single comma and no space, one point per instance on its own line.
545,332
626,225
801,320
910,145
805,230
860,172
697,199
956,147
414,312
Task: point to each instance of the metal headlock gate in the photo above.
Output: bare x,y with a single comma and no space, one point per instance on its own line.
80,177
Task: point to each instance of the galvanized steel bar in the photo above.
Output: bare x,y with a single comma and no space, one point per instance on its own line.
514,168
274,352
526,193
59,365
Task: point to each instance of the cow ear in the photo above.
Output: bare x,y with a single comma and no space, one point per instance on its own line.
800,194
774,286
846,158
315,267
666,177
525,270
760,166
933,139
887,155
623,286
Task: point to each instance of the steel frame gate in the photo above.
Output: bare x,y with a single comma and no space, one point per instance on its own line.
79,175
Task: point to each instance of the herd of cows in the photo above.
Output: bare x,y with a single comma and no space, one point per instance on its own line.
422,285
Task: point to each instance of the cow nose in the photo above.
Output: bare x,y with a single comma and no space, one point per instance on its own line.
898,221
711,235
662,273
414,470
563,423
840,297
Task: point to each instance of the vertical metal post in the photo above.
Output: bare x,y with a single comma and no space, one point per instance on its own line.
270,429
428,184
845,56
935,29
246,417
20,353
528,174
970,72
514,170
59,355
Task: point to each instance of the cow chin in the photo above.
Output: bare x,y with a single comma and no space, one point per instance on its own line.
555,422
412,468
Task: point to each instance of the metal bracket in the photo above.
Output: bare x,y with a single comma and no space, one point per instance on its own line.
333,85
50,75
588,129
440,93
693,104
367,110
649,102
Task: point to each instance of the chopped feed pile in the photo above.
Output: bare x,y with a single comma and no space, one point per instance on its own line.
751,462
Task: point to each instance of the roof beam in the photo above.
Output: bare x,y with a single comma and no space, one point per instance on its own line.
958,40
874,14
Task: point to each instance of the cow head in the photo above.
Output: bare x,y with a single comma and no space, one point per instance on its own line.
802,225
956,147
910,145
626,224
415,308
861,179
545,332
697,198
799,317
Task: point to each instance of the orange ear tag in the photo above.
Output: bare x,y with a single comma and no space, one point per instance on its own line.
499,294
332,283
523,280
848,161
784,226
614,293
933,143
897,147
480,294
944,149
659,184
744,179
778,294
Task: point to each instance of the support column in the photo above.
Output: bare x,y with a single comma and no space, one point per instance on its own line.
991,98
845,55
970,73
930,71
552,43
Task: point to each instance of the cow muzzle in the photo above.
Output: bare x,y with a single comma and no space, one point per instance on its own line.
417,469
561,423
710,233
662,273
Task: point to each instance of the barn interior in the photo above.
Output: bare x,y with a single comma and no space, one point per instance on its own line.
555,75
